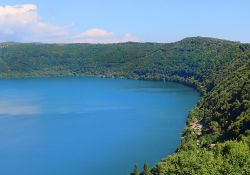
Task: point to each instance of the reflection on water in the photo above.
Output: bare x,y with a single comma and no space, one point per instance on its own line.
17,107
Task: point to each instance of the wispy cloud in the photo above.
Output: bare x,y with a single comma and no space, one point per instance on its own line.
24,24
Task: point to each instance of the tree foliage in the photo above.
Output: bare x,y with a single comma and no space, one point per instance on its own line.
219,69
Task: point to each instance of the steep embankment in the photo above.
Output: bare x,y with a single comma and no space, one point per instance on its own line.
216,140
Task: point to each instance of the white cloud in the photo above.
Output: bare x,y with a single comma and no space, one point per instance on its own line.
97,35
128,37
96,32
22,23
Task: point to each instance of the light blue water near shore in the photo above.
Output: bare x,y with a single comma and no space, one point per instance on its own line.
88,126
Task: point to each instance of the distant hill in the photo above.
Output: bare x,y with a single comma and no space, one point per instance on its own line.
217,137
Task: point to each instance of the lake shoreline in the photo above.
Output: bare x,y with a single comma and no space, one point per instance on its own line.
174,80
150,116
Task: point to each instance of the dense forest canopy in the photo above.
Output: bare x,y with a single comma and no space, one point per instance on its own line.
217,137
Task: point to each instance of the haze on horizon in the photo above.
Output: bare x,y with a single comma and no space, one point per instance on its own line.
109,21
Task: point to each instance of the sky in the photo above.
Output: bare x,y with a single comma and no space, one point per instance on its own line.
112,21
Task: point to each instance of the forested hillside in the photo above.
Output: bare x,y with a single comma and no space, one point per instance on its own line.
217,137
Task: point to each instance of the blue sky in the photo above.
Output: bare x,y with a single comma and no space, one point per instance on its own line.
108,21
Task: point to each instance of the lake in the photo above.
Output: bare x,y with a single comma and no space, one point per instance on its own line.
89,126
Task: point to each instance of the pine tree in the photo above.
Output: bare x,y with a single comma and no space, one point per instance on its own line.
146,170
136,170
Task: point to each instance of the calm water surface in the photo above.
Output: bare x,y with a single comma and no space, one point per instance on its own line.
88,126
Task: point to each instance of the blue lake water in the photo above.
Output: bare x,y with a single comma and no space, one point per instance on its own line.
89,126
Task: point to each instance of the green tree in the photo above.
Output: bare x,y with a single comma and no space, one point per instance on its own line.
136,170
146,170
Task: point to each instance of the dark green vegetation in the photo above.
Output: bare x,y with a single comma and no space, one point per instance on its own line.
217,137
